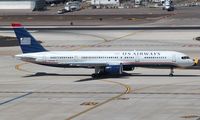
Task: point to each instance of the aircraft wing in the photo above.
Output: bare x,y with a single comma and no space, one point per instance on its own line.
92,64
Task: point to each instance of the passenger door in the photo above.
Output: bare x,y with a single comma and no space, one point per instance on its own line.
137,58
173,58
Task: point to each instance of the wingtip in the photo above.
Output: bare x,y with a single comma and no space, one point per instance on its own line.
16,25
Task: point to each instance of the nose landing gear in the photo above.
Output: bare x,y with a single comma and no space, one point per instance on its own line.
171,72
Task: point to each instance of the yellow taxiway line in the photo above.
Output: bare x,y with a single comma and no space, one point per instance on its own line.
127,91
18,67
106,40
127,87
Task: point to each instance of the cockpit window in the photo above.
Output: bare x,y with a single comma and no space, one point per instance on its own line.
185,57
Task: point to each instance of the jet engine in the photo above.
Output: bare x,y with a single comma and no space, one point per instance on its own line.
114,69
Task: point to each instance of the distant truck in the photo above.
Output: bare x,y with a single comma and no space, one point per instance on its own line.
138,2
168,5
72,6
105,3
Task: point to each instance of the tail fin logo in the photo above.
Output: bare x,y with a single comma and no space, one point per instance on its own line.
25,41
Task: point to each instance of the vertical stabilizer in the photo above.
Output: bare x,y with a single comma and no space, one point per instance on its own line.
26,41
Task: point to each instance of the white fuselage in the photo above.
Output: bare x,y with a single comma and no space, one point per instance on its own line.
91,59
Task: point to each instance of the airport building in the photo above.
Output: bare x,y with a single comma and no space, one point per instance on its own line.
23,4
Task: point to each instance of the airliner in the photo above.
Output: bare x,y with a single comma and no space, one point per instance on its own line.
103,62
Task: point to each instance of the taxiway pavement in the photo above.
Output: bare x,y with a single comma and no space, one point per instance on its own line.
29,91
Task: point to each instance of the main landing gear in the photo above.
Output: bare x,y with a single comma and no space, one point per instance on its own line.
171,72
96,75
98,72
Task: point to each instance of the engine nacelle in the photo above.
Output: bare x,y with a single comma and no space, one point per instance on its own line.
128,68
113,69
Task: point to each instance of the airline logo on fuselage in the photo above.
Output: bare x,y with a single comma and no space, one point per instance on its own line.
25,41
141,53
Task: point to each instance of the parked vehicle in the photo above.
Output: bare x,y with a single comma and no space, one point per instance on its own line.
168,5
61,11
72,6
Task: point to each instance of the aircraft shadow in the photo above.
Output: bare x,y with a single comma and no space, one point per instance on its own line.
125,75
143,75
39,74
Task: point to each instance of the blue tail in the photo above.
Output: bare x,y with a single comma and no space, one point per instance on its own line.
27,42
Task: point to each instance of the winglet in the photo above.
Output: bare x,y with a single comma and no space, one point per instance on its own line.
16,25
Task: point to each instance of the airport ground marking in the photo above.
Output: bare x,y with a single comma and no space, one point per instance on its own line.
128,88
127,91
18,67
137,91
16,98
89,35
107,41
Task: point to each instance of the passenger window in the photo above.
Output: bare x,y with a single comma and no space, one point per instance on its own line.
185,57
